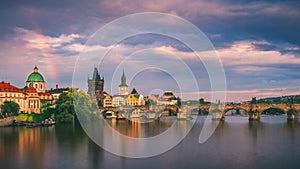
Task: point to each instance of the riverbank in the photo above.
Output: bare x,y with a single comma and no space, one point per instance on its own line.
8,121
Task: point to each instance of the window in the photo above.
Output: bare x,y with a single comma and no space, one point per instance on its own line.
41,86
36,86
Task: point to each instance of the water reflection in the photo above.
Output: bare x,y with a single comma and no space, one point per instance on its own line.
236,143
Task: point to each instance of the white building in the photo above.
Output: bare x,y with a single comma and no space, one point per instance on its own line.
118,99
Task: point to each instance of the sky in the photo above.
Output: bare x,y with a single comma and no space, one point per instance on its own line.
257,43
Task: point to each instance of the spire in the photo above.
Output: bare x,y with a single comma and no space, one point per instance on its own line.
96,75
134,91
123,79
35,69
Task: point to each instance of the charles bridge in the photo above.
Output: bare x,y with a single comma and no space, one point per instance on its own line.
218,111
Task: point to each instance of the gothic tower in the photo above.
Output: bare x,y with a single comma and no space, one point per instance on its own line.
123,88
95,88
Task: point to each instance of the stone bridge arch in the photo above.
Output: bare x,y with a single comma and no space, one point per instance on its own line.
255,110
263,107
104,110
236,109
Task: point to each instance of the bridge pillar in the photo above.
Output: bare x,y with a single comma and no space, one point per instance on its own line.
254,116
217,113
292,115
217,116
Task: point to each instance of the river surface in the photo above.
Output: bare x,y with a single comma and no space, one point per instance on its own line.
271,143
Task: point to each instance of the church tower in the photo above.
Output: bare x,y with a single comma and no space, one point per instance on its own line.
123,88
95,88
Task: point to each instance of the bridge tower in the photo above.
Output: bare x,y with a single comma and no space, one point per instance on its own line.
95,88
292,114
254,115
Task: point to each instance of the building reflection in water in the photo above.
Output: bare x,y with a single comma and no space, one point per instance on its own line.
233,144
138,128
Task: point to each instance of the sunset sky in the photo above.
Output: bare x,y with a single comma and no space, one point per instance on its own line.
257,42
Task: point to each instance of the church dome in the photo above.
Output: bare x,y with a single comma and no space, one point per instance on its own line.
35,76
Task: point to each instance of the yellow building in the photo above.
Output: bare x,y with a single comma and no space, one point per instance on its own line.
134,99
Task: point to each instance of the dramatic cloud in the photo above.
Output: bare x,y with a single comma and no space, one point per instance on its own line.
28,48
257,41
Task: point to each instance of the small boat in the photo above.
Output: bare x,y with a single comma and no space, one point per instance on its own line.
48,122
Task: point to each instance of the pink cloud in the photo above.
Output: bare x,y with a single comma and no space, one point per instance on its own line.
244,53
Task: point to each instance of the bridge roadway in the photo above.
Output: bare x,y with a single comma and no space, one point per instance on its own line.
218,111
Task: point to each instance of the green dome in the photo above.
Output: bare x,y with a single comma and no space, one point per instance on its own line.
35,77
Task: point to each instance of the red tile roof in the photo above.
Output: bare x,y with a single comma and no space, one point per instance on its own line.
31,90
7,87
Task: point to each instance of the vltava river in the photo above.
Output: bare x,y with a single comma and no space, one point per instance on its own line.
236,143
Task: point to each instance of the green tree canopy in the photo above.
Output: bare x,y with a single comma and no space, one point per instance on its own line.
65,110
10,107
85,109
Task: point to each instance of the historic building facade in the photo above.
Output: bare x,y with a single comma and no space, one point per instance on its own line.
36,80
118,99
168,98
123,87
134,98
9,92
31,97
107,100
56,92
95,88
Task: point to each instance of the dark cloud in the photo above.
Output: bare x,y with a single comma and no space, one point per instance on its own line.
225,22
254,20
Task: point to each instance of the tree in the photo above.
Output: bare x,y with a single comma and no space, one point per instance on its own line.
10,107
65,110
85,109
147,102
179,101
150,102
45,104
201,101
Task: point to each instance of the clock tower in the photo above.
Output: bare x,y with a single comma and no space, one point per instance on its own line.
123,88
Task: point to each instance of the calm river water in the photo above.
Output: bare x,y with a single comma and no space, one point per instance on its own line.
237,143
